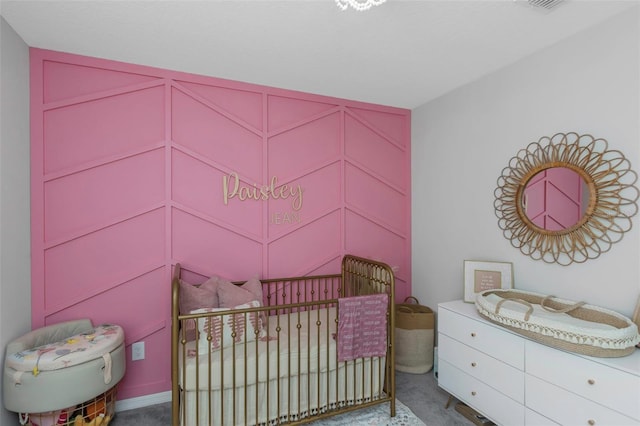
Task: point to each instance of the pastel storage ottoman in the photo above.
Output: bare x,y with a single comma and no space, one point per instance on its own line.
61,368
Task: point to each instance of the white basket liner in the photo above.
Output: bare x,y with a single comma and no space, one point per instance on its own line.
560,326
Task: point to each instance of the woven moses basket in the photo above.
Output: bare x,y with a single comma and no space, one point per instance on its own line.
564,324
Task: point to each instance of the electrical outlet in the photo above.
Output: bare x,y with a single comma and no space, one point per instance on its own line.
137,351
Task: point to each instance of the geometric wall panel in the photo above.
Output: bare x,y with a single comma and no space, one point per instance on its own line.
215,136
245,105
214,249
386,204
388,123
320,192
66,81
330,267
98,196
374,240
376,154
140,324
290,110
127,309
128,173
102,128
199,186
96,262
311,144
321,237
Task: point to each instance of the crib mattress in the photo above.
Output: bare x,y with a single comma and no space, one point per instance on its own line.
291,351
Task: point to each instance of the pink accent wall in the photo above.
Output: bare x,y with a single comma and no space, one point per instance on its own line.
126,180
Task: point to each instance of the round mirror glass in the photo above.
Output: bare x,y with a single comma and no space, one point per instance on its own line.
555,199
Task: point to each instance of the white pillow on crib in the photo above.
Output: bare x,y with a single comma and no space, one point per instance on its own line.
221,327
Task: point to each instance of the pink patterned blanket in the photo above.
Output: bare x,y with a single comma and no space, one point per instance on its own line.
362,326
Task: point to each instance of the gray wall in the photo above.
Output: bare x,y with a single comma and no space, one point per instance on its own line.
15,267
589,83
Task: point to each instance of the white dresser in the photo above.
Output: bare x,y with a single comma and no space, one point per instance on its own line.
515,381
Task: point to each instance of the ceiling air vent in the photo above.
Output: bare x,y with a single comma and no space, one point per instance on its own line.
546,4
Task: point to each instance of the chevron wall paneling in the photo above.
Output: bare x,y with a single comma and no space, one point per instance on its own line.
134,169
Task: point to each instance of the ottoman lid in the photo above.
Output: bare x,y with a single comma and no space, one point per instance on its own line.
71,351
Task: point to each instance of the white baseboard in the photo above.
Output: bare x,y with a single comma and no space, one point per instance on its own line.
143,401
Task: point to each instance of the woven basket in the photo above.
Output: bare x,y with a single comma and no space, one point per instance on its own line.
568,325
414,337
95,412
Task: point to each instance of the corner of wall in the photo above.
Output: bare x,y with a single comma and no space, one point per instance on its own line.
15,268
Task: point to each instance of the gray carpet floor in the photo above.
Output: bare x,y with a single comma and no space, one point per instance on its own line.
419,392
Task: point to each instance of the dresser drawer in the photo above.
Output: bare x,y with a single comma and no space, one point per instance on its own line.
502,377
599,383
569,409
483,398
532,418
486,338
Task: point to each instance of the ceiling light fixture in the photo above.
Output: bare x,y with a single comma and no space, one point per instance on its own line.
359,5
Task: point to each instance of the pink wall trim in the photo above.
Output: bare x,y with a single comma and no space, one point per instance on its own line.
127,171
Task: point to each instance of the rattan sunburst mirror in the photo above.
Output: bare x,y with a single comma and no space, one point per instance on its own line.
604,191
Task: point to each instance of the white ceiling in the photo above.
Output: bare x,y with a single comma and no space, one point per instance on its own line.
402,53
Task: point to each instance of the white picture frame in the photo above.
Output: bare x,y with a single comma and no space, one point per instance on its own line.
480,276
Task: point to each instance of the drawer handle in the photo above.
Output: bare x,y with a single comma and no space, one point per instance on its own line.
473,364
473,334
473,393
591,382
591,422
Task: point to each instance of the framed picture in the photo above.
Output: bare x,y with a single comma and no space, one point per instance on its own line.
481,276
636,316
